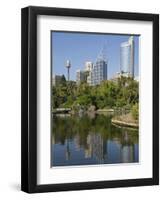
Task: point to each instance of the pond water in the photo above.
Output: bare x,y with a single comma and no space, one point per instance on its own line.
90,140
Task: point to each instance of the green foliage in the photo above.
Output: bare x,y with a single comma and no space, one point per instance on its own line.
135,111
63,80
123,92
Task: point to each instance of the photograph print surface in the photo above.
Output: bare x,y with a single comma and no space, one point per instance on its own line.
94,98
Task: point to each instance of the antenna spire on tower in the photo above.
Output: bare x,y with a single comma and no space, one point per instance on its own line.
103,53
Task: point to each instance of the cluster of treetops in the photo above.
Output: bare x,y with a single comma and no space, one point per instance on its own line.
118,93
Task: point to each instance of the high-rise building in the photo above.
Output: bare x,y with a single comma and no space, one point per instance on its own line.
127,57
81,76
58,79
94,74
88,66
99,72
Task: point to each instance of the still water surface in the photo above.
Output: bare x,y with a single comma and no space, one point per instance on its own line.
90,140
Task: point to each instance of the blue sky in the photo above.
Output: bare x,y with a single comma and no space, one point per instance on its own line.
82,47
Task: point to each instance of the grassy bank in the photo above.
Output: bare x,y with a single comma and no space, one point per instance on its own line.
125,120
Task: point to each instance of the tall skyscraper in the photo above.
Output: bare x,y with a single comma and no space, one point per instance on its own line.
81,76
89,69
127,57
99,72
88,66
94,74
84,75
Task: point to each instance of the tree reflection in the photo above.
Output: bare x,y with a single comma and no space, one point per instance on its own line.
92,135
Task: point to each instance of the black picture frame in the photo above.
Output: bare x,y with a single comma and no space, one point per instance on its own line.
29,99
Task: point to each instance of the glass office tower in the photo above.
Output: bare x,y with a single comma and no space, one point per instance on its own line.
127,57
99,72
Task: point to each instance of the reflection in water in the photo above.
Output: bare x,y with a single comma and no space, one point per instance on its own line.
89,140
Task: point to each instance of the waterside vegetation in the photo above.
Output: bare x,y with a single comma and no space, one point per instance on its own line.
120,96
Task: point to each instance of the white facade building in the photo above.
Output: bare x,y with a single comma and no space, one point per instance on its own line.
80,76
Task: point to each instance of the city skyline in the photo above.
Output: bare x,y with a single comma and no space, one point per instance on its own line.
80,48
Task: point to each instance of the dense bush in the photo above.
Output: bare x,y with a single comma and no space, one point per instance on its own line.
122,92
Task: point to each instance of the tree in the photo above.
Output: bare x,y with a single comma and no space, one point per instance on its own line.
124,92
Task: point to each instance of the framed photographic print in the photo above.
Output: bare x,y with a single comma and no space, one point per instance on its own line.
90,99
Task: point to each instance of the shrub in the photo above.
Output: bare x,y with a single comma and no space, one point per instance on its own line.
135,111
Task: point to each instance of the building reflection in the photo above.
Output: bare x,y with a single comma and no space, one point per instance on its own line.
93,140
127,153
68,152
96,148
